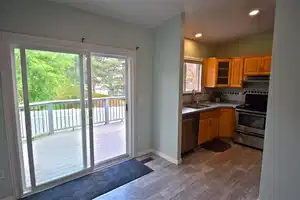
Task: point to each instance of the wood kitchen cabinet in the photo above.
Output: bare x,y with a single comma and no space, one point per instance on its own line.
252,65
210,72
226,122
203,134
216,72
208,126
214,127
230,72
257,66
236,72
216,123
223,72
266,65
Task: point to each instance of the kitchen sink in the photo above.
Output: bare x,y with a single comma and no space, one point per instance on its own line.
196,106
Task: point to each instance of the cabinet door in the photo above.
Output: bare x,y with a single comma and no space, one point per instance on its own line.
214,128
210,72
236,69
203,134
266,65
252,65
223,77
227,122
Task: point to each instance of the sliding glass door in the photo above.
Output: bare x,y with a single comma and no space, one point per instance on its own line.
108,85
52,114
72,113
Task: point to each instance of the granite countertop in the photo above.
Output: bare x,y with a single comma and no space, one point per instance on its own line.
211,105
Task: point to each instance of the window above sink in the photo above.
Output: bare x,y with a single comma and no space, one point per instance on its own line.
192,74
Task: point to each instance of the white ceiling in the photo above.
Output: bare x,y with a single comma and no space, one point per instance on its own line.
221,20
218,20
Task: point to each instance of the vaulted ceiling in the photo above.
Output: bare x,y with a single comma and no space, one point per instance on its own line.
217,20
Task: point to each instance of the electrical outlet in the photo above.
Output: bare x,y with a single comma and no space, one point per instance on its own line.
1,174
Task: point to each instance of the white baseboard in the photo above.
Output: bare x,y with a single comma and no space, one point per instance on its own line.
168,158
9,198
160,154
142,153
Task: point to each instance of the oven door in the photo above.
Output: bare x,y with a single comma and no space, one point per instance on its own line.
251,122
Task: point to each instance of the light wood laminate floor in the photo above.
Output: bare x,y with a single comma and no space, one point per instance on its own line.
203,175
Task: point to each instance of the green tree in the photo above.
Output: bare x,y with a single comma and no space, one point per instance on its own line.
50,74
55,76
108,74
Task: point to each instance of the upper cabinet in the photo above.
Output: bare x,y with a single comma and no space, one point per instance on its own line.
216,72
223,75
231,72
210,72
266,65
252,65
236,75
257,66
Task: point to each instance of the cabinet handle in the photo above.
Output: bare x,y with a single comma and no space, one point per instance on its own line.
261,68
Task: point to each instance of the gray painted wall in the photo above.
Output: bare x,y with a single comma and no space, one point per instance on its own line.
195,49
166,84
280,177
255,45
48,19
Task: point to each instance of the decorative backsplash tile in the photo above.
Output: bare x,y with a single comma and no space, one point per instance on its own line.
203,96
256,91
228,94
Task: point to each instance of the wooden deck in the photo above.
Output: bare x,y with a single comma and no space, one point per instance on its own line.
61,154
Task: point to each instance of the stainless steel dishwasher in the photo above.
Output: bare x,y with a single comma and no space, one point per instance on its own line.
190,127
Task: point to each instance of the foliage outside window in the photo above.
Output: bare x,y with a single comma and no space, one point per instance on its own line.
55,76
192,73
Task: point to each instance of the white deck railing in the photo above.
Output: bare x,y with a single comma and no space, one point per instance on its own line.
49,117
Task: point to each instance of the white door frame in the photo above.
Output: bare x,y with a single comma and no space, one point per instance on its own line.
7,41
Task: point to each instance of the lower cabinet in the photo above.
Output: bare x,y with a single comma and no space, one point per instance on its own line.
216,123
227,122
208,126
214,128
203,134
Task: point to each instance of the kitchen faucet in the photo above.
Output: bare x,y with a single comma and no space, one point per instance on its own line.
194,97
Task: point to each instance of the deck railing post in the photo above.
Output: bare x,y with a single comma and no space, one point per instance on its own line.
106,110
50,118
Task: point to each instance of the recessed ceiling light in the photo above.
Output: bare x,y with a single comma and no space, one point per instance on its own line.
198,35
254,12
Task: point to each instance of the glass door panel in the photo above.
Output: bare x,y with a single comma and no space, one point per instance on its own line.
108,78
55,106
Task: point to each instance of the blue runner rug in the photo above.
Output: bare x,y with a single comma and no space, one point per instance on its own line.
96,184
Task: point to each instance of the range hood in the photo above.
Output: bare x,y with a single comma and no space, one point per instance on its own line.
257,79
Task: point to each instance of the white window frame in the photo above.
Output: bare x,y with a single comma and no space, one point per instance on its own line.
199,72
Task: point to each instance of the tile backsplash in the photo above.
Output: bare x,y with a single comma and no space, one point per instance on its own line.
203,96
229,94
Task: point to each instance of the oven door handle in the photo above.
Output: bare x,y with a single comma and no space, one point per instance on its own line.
252,114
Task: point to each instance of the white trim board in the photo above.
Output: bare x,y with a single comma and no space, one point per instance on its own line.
160,154
168,158
9,198
142,153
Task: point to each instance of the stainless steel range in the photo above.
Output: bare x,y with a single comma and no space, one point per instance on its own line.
251,121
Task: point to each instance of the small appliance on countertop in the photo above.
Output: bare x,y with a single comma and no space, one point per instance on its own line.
251,121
